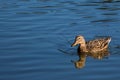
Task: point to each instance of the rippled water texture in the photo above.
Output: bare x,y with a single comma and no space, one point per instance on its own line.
36,35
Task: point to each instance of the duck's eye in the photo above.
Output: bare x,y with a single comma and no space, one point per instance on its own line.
79,38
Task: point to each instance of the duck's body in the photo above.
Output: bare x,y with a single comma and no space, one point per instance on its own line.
95,45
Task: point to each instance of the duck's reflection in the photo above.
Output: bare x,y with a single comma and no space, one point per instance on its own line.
82,57
99,55
81,62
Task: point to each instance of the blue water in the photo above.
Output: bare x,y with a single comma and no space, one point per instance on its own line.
36,35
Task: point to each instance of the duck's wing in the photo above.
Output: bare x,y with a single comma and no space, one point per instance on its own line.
98,44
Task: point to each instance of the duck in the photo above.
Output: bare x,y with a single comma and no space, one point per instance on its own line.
92,46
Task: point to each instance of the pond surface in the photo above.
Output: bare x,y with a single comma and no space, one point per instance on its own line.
36,38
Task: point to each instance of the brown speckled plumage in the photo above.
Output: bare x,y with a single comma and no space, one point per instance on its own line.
95,45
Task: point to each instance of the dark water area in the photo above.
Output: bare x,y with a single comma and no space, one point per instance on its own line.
36,38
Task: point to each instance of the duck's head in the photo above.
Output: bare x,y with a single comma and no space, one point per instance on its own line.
78,40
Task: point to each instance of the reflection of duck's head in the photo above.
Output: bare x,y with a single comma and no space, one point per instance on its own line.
79,64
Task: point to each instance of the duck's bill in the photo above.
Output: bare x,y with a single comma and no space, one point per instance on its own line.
74,44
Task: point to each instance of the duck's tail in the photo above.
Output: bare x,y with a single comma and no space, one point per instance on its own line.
109,39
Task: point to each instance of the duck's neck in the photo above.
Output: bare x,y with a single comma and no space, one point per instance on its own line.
83,47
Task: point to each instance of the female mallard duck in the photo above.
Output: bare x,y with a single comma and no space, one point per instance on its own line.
96,45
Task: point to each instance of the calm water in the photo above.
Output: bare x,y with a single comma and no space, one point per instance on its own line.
36,35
